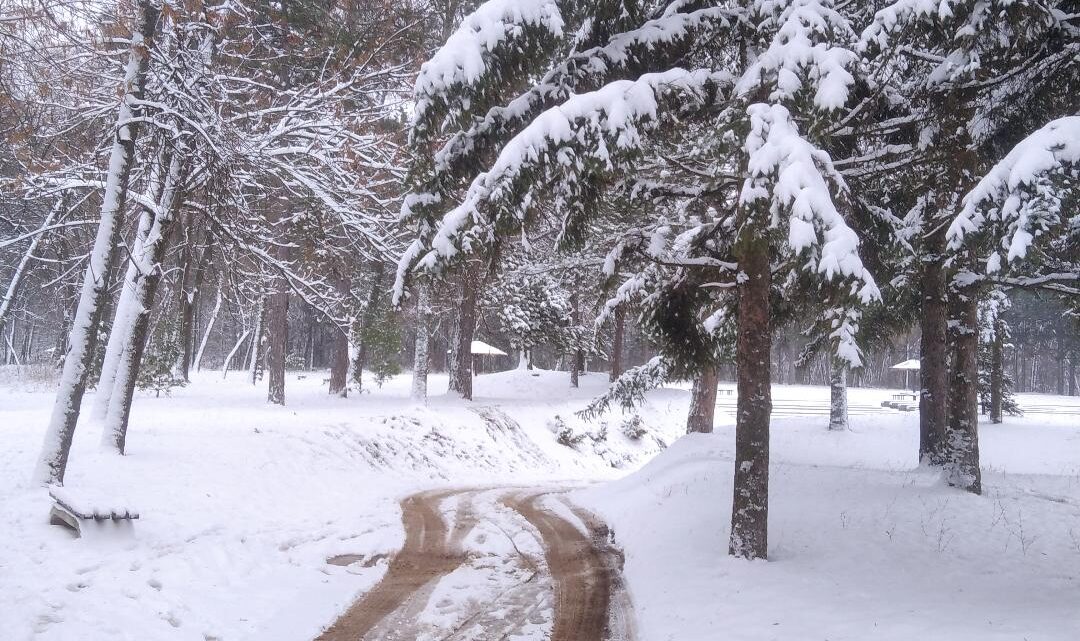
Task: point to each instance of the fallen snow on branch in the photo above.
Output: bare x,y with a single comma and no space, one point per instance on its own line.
798,175
1006,193
462,60
615,111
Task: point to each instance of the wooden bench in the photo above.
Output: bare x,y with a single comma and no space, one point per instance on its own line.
725,391
87,515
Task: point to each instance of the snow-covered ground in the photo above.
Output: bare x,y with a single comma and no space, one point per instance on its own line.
863,544
242,503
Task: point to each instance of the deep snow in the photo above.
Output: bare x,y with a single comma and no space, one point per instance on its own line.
242,503
863,543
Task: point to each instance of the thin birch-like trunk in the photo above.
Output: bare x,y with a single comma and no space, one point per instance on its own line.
65,415
997,372
617,337
421,364
232,353
8,301
197,363
256,341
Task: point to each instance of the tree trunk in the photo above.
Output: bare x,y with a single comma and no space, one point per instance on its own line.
618,335
750,504
961,443
339,369
83,340
209,327
123,319
257,340
1062,372
148,274
277,326
997,372
421,363
577,357
838,406
232,353
703,401
465,326
56,212
190,285
933,373
369,316
1072,375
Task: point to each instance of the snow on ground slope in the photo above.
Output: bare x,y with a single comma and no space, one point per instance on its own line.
242,503
863,544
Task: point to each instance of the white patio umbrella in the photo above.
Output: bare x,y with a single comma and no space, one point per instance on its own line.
907,366
480,348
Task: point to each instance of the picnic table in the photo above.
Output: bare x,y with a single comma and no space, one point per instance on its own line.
903,401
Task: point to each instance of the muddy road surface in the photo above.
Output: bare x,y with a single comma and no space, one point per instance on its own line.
495,565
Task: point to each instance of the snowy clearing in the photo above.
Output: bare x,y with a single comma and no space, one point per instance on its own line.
242,504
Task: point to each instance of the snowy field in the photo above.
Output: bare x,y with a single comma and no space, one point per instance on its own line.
242,504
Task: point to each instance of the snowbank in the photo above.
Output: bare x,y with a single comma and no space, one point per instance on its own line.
863,545
242,503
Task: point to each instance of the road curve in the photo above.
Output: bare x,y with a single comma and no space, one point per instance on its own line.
577,584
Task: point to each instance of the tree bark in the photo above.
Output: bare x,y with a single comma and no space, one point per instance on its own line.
750,504
838,406
65,415
1072,375
148,274
933,373
421,362
465,326
257,340
961,443
997,372
339,368
577,357
618,335
277,326
190,285
369,316
1062,372
123,319
703,401
209,327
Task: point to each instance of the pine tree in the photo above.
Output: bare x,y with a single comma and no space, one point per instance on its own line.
776,191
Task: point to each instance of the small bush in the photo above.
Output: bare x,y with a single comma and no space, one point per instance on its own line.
634,428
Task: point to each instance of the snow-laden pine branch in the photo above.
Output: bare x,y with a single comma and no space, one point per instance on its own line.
1018,197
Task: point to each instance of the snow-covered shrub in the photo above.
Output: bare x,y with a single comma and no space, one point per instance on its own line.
565,434
633,428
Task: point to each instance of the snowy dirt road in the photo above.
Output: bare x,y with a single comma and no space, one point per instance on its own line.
495,564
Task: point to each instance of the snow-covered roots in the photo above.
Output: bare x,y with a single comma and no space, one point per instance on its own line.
495,564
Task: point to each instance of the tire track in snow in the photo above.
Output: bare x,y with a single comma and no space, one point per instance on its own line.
575,590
